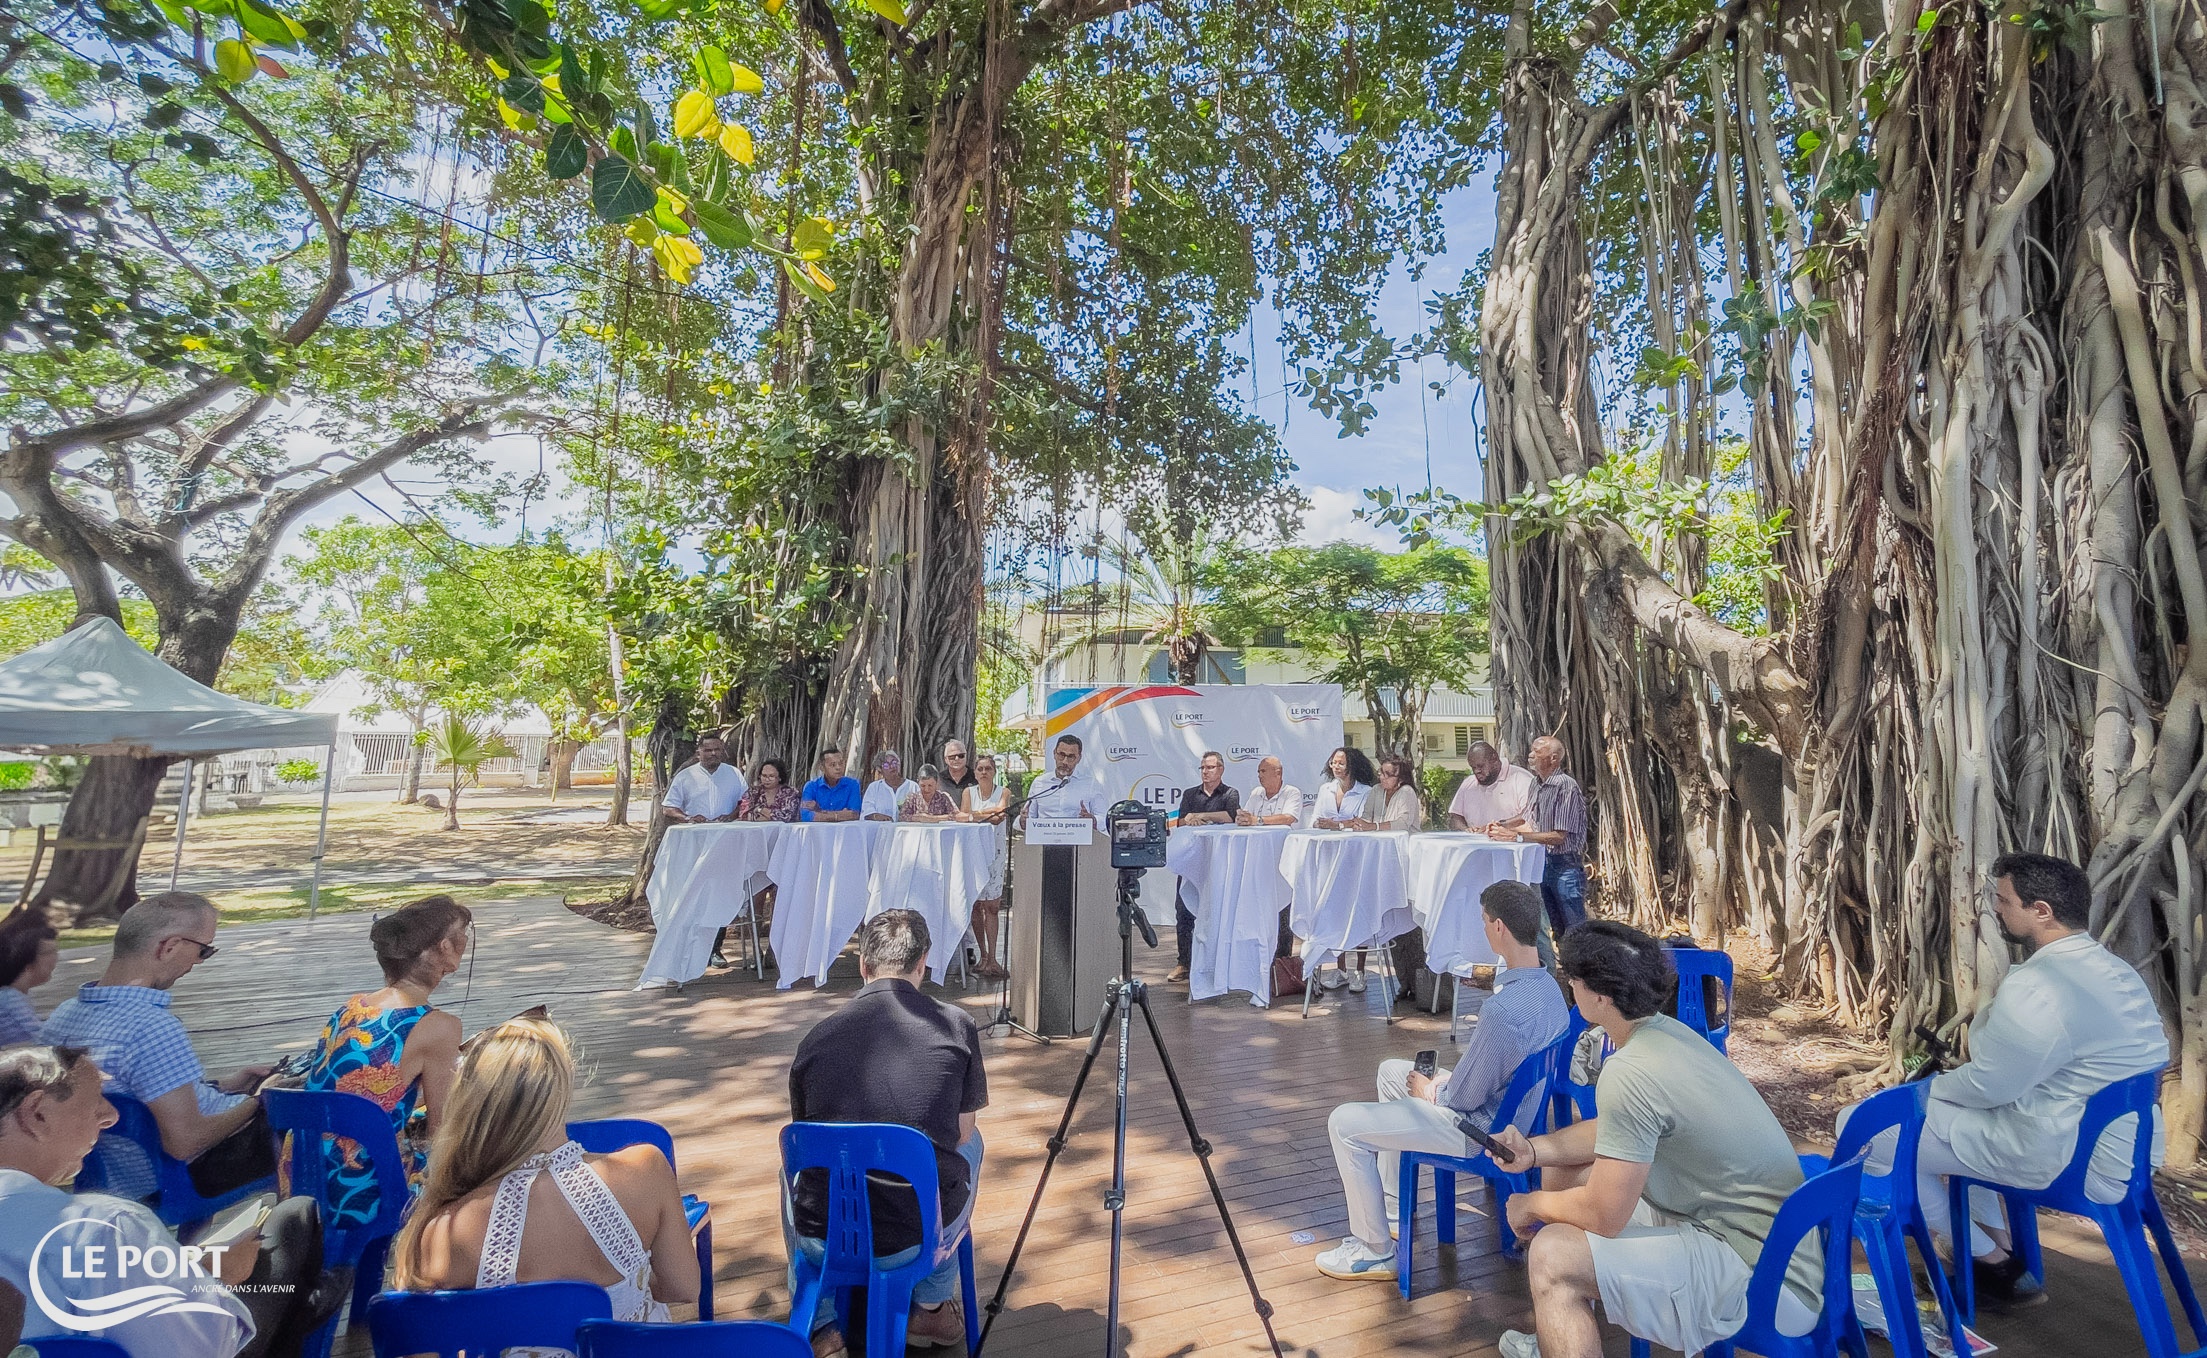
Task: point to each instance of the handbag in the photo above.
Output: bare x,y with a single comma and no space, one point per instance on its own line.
1287,976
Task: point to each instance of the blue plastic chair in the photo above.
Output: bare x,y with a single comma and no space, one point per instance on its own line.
175,1200
1825,1204
483,1323
721,1339
1888,1216
1526,1091
2124,1223
1569,1102
848,1151
603,1136
1695,967
310,1116
75,1346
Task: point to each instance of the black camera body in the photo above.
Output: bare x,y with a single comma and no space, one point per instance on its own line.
1137,835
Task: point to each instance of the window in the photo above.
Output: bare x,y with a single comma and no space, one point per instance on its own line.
1463,741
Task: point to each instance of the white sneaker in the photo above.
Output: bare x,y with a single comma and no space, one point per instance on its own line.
1518,1344
1332,980
1350,1261
1356,982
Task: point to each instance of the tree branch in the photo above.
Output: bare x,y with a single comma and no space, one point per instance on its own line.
817,17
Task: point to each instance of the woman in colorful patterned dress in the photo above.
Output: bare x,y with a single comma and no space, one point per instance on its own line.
771,796
391,1046
928,801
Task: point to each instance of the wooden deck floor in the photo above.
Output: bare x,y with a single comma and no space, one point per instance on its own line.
712,1062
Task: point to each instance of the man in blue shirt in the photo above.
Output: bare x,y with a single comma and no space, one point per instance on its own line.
831,796
1525,1015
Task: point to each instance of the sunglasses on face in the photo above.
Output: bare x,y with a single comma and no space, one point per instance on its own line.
206,950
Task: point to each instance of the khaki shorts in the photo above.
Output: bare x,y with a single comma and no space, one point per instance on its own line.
1670,1282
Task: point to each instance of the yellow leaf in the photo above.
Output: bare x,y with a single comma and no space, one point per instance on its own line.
774,6
641,231
812,271
677,256
746,80
496,69
888,9
735,139
695,116
234,61
513,117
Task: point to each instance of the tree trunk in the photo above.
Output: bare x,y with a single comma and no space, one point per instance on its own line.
624,759
563,753
410,784
452,808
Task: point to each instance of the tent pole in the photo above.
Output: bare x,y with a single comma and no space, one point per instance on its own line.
322,835
183,813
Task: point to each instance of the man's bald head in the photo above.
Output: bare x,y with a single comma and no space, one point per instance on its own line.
1269,774
1547,755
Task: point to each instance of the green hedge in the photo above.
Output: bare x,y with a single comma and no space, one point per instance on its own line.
1439,785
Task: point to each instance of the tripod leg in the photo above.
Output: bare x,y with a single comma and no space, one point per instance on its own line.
1202,1151
1112,1001
1115,1196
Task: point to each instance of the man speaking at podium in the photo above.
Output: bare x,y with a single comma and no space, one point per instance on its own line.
1067,792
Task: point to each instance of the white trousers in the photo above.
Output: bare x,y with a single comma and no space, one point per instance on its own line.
1368,1141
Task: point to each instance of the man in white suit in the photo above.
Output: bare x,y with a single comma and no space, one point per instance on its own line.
2069,1020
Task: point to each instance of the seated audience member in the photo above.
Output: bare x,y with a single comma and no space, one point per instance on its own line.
1525,1014
707,790
1209,802
262,1296
1393,803
1497,792
772,797
1340,801
28,952
510,1199
1659,1205
1275,801
957,769
928,801
889,788
391,1047
893,1054
831,796
2069,1020
123,1020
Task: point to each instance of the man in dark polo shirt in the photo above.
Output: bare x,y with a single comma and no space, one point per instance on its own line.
1209,802
956,774
893,1054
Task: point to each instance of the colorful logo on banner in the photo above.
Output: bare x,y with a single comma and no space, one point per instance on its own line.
1068,706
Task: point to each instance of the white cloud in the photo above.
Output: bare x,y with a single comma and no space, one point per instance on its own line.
1332,518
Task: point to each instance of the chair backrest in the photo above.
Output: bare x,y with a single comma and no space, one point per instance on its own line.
848,1151
1825,1204
1565,1096
482,1323
310,1115
2133,1094
1900,1107
709,1339
603,1136
76,1346
1696,967
1525,1097
177,1200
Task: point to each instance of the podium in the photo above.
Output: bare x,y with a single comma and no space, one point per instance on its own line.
1064,935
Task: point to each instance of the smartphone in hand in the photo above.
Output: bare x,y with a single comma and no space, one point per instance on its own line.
1480,1139
1428,1061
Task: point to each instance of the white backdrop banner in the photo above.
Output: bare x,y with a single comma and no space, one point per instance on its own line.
1146,741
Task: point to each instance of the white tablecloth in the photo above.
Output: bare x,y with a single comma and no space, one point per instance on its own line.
823,877
1346,889
1230,878
937,869
702,881
1447,873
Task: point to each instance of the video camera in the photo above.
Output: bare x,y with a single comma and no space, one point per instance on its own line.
1137,835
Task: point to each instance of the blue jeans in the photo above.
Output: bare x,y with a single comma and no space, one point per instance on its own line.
932,1290
1563,891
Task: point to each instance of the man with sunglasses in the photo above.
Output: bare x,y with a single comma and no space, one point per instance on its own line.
123,1020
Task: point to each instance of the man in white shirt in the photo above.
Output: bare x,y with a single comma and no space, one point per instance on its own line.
1276,801
85,1247
2070,1019
1067,791
708,789
889,788
1496,793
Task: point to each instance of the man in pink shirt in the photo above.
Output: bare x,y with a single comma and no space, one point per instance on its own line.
1496,793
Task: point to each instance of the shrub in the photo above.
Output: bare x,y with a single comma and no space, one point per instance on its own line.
299,771
17,775
1439,786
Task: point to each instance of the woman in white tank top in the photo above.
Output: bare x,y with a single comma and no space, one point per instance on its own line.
510,1199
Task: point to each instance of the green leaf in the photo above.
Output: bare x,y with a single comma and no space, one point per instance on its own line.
523,91
566,153
234,61
618,191
811,238
728,230
888,9
623,142
713,71
1927,21
666,214
268,26
804,284
573,82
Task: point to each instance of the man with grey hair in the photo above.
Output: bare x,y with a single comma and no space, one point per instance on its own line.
123,1020
892,1054
1557,820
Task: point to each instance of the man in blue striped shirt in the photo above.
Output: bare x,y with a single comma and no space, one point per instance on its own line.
1525,1015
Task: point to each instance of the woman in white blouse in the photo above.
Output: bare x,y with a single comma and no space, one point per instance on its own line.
1340,801
1393,804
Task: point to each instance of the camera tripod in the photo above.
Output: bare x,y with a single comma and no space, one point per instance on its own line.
1121,998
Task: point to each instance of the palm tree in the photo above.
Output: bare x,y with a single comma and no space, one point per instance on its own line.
1167,587
464,747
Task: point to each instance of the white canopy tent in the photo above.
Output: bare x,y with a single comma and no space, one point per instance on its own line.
93,691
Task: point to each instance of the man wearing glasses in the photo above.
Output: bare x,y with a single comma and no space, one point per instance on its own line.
123,1020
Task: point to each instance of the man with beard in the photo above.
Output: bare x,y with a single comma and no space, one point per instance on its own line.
1496,793
2070,1019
